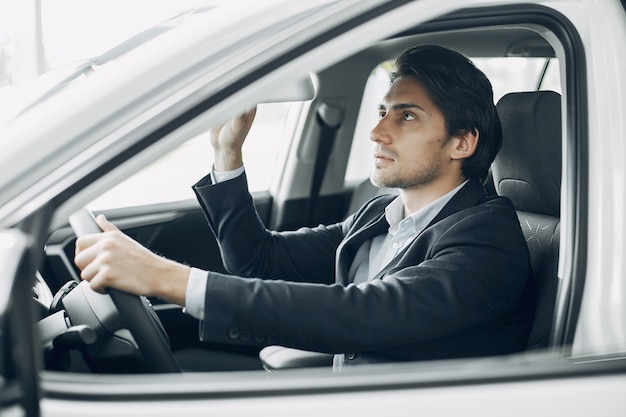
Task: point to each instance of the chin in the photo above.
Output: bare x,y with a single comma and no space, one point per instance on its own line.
381,182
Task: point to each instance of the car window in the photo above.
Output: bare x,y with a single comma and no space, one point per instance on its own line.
506,75
170,178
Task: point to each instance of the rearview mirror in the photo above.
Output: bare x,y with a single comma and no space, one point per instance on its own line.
302,90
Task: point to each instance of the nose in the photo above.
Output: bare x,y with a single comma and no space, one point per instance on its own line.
380,133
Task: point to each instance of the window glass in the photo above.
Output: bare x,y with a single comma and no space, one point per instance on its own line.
170,178
519,74
552,77
506,75
360,160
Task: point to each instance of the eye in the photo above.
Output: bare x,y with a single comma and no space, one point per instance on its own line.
381,113
408,116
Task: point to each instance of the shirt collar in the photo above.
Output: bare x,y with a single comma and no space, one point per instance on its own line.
394,212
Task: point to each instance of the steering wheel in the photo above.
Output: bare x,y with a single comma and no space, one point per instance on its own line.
136,312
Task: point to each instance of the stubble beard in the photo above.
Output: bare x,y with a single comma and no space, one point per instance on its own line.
426,174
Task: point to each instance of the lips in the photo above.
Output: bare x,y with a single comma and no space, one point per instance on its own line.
382,158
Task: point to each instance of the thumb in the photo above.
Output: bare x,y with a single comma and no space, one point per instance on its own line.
104,224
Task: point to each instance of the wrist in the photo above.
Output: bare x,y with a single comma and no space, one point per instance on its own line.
228,160
173,284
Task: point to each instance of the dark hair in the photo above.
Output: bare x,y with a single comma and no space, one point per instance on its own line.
463,94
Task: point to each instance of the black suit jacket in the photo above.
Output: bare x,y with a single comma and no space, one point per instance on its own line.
462,288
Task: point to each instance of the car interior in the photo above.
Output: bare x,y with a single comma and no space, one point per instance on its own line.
320,175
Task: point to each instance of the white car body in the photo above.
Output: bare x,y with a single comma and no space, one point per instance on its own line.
226,59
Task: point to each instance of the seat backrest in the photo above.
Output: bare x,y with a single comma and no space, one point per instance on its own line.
527,170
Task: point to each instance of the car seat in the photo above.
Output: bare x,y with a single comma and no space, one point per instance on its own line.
527,170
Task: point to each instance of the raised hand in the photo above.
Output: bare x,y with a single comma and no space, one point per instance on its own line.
228,140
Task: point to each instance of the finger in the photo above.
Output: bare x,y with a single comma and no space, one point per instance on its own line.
97,283
248,116
96,267
215,134
88,270
85,254
105,225
243,122
97,245
87,242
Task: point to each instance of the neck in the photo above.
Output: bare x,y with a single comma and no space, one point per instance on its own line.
419,196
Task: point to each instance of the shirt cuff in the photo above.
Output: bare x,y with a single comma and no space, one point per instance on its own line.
195,293
221,176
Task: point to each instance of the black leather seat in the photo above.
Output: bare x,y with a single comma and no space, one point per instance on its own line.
528,171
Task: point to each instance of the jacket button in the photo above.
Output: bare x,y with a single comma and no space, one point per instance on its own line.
233,333
350,356
259,338
245,336
272,339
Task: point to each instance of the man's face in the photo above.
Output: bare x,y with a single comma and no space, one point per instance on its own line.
410,138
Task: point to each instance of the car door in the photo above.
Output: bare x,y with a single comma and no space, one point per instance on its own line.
19,387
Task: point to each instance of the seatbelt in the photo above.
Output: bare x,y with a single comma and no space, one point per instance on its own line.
329,120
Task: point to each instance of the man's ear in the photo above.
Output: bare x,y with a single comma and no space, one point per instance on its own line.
466,143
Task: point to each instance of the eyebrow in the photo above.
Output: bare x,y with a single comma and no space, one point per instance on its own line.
402,106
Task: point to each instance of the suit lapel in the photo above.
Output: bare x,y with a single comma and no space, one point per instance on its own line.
468,196
348,248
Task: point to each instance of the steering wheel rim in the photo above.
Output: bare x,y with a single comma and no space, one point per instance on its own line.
136,312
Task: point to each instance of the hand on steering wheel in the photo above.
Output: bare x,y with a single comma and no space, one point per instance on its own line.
136,312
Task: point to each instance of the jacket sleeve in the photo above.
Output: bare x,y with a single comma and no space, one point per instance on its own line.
248,249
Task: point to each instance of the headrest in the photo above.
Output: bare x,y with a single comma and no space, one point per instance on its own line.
527,169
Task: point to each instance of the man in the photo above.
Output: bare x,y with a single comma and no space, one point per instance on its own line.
441,271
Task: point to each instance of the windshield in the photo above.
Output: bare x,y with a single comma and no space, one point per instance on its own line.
16,100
